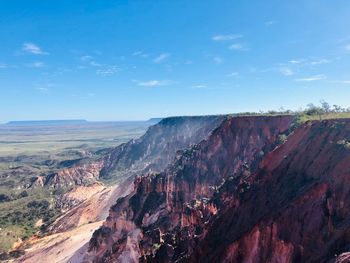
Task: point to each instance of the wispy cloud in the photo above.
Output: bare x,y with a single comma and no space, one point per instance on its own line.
296,61
319,62
238,47
312,78
226,37
42,89
199,86
218,60
104,70
33,49
3,65
310,62
270,23
89,60
153,83
233,74
95,64
86,58
286,71
140,54
347,47
231,37
343,81
36,64
161,58
107,71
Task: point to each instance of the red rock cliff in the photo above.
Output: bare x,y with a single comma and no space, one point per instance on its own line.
296,208
166,215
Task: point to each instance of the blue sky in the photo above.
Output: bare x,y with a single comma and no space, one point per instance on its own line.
132,60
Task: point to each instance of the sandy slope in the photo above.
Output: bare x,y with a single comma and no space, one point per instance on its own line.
63,247
95,208
73,230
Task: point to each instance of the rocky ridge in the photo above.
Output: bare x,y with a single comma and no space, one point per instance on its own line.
243,195
151,152
168,206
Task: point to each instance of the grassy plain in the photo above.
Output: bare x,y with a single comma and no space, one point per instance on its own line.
27,151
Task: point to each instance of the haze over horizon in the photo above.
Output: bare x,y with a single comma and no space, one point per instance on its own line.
135,60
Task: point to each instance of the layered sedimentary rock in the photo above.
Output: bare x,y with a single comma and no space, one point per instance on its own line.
243,195
297,207
158,146
151,152
82,174
167,213
89,199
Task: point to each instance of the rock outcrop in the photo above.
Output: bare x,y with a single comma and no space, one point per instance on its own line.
243,195
167,213
152,152
158,146
296,209
83,174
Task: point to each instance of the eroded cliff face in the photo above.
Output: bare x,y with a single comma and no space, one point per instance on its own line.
296,209
158,147
152,152
89,199
77,175
167,214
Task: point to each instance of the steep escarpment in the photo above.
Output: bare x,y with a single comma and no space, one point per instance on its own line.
89,199
296,209
167,212
151,152
158,146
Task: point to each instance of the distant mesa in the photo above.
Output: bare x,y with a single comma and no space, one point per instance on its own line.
154,120
47,122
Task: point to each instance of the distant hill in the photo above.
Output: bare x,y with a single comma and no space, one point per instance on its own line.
47,122
154,120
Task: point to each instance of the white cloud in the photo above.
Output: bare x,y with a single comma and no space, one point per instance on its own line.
310,62
137,53
296,61
153,83
312,78
233,74
95,64
140,54
343,81
270,23
319,62
286,71
238,47
161,58
33,49
226,37
86,58
108,71
37,64
200,86
347,47
218,60
3,65
89,60
43,90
